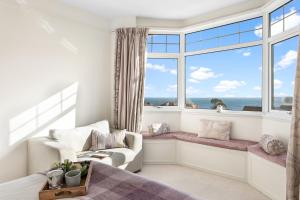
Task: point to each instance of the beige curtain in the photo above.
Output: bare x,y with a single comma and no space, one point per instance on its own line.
130,62
293,156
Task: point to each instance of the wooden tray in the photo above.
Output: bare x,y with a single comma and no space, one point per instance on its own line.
67,192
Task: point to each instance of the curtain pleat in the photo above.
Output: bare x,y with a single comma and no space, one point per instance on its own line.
293,155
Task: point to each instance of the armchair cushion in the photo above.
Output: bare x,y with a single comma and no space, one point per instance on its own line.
79,139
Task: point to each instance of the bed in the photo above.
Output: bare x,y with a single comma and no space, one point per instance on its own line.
107,183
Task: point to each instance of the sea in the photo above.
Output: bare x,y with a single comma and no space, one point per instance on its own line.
232,103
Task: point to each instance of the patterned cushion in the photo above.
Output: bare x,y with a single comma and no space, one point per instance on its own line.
112,140
213,129
271,145
158,128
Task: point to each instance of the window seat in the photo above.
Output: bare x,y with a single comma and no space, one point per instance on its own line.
234,144
257,150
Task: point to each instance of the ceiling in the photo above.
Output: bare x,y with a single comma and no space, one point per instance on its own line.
162,9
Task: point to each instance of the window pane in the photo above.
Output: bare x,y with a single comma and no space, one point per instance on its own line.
251,24
161,82
276,15
173,39
291,21
291,7
229,40
159,48
207,44
209,33
173,48
277,28
163,43
149,47
229,29
213,79
251,36
285,17
159,39
284,67
192,37
223,35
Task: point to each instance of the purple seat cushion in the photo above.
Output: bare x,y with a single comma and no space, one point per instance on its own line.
240,145
279,159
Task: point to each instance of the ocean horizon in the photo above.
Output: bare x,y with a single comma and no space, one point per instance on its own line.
232,103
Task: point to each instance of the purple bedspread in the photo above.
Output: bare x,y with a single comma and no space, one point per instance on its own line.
110,183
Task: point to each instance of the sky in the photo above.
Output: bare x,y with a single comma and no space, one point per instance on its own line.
232,73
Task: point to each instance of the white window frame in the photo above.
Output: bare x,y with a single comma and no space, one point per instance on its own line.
162,56
266,43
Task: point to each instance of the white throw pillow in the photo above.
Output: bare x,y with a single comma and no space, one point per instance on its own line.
219,130
79,139
101,141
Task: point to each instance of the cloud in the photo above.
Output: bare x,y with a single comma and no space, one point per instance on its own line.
192,91
258,30
227,85
161,68
173,71
257,88
277,84
192,68
202,73
172,88
248,53
289,58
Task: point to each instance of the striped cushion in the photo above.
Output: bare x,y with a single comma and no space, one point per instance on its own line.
102,141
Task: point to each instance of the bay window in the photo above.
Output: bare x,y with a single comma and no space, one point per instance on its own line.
246,65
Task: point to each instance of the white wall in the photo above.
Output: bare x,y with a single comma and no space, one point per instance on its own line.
53,73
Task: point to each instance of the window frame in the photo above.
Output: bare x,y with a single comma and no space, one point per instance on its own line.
166,55
266,43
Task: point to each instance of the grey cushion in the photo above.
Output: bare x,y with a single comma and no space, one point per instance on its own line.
271,145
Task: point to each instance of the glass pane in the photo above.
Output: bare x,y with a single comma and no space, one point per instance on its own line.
159,48
277,28
159,38
251,24
284,68
161,82
207,44
213,79
192,47
276,15
173,39
229,40
291,7
251,36
149,39
192,37
173,48
291,21
149,48
229,29
209,33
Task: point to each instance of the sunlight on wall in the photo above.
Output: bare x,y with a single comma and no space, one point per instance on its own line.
68,45
58,110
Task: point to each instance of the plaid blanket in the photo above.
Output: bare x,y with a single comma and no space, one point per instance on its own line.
110,183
